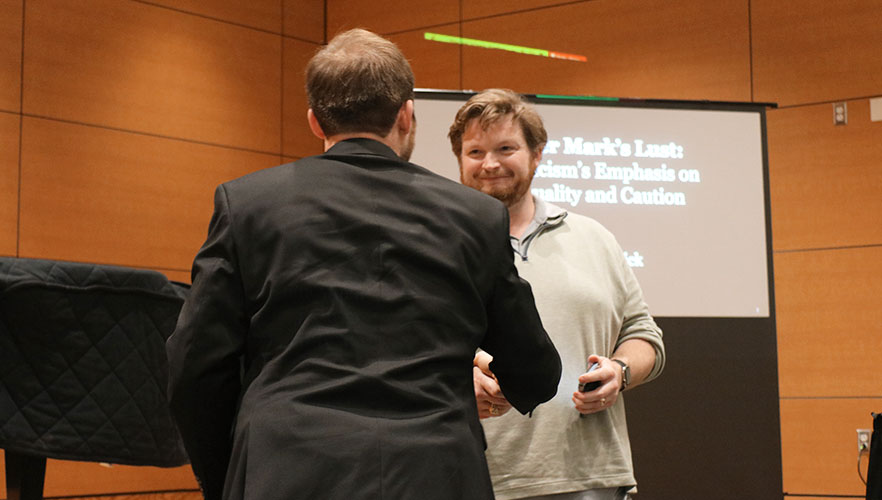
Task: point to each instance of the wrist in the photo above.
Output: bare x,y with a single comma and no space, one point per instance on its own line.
625,372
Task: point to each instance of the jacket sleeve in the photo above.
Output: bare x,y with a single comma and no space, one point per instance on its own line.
525,361
204,353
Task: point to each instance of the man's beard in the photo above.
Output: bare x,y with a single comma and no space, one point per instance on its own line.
508,195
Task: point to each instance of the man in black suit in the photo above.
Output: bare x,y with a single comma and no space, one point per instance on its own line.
325,351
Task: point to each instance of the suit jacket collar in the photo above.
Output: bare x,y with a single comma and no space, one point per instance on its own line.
363,146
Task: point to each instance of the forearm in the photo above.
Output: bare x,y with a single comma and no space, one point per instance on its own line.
639,356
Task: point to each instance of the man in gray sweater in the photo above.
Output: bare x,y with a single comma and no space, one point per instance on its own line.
576,446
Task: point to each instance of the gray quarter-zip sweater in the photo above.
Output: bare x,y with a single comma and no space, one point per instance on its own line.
589,302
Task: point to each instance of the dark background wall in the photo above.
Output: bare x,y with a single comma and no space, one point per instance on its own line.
118,118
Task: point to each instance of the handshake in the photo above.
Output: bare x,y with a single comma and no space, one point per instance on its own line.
492,403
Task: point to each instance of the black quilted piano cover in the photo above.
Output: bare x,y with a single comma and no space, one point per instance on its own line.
82,362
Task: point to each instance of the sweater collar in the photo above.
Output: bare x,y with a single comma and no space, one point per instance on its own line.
545,213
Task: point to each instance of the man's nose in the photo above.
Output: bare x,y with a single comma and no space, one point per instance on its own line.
491,162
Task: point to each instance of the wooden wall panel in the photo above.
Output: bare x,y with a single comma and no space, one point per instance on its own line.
260,14
828,316
150,69
96,195
435,65
65,478
394,16
305,19
68,478
825,180
472,9
175,495
688,49
816,50
789,497
9,129
10,55
297,138
819,444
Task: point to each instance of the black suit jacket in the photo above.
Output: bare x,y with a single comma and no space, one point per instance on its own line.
325,351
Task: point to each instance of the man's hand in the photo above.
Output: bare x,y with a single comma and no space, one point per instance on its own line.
488,396
609,373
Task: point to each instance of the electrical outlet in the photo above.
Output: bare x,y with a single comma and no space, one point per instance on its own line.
863,440
840,113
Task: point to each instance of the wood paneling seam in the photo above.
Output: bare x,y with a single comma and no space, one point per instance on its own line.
522,11
210,18
151,134
20,130
750,45
282,84
824,249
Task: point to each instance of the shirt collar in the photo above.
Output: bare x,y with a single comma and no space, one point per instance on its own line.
545,214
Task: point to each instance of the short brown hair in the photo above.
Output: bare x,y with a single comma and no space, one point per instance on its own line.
491,105
357,83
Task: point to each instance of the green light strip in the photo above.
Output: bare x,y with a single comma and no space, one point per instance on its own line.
437,37
577,97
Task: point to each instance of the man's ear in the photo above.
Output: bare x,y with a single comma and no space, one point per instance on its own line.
405,119
314,125
537,157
